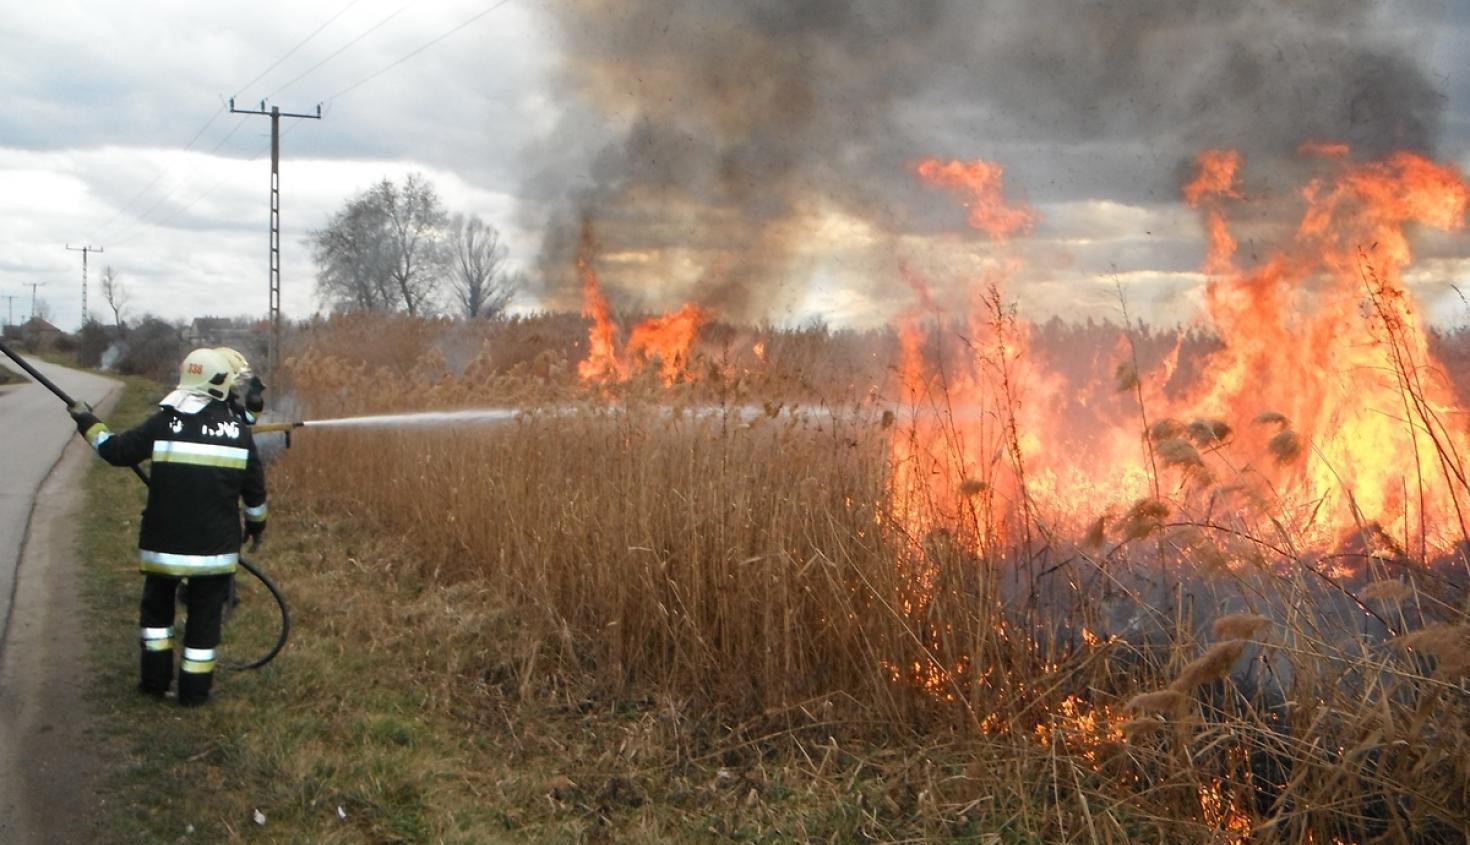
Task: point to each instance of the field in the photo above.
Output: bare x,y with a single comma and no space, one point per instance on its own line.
969,577
729,559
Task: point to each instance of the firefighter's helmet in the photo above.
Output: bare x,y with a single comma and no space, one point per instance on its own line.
207,372
248,387
239,367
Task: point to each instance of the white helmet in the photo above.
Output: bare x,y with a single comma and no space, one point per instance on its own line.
207,372
240,371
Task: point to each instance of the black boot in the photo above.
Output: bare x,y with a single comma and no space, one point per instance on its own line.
156,671
196,676
194,688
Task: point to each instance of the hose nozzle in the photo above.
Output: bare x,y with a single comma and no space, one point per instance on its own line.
270,427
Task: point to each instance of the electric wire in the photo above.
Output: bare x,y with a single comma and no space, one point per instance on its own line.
299,45
417,50
161,171
482,13
412,53
140,220
370,30
218,183
224,110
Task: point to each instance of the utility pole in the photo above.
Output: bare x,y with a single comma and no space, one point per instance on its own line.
275,114
9,309
33,286
84,250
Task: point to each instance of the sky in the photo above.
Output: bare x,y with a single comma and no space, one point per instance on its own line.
755,156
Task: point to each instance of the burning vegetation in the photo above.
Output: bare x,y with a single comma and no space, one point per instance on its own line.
1100,582
1203,585
662,343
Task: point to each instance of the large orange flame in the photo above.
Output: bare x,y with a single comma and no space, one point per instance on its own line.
665,340
960,455
602,363
1323,411
1362,396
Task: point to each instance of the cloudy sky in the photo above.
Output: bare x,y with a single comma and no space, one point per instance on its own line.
754,155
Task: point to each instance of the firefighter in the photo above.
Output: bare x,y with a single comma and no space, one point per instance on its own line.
204,465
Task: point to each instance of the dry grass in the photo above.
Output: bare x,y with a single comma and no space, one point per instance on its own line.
745,575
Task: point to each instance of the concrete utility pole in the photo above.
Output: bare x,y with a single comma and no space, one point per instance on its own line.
84,250
9,309
33,286
275,114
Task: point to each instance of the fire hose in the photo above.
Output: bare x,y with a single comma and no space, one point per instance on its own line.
143,476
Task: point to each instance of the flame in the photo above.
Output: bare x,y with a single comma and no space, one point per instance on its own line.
1085,729
962,458
1325,410
1215,182
979,184
602,363
1223,812
1362,394
665,340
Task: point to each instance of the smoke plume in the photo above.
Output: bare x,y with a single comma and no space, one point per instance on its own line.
725,142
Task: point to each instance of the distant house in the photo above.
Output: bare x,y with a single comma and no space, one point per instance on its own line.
34,333
248,336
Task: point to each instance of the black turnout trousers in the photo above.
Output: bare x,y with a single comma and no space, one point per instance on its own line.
206,598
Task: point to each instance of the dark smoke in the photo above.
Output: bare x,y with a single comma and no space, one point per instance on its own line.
721,129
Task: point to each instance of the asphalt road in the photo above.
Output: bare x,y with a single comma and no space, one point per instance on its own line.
34,428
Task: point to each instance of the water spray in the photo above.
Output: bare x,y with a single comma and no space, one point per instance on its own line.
474,416
420,418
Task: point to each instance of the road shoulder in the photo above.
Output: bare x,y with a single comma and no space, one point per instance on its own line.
50,758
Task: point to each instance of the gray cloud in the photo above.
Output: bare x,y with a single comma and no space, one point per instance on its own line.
149,77
735,125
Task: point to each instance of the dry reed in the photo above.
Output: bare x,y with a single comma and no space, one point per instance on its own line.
1240,626
1211,666
746,569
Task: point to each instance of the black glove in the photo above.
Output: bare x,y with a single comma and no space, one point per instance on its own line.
83,417
254,531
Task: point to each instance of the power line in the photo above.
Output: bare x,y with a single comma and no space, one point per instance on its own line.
84,250
215,186
299,45
161,171
420,49
222,110
275,114
337,52
33,286
140,220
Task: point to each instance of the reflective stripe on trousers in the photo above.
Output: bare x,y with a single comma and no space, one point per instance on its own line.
197,660
157,639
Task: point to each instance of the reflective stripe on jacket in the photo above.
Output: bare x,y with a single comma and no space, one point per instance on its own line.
204,465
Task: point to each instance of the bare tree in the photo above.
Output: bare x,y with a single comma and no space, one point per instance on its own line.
482,287
42,311
115,294
383,251
416,221
352,259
